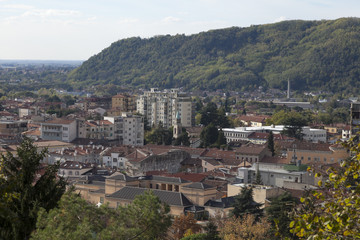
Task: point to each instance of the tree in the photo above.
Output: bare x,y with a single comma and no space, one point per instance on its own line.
31,192
244,204
145,218
271,144
221,140
183,139
184,223
258,179
209,114
74,218
209,135
245,228
293,127
332,212
278,214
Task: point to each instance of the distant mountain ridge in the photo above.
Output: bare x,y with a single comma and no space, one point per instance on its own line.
312,54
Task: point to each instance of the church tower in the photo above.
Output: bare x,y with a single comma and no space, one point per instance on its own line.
177,130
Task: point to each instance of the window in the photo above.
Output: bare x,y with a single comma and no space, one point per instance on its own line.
101,199
76,173
70,173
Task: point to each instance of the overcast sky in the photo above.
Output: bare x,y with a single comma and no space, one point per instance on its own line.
78,29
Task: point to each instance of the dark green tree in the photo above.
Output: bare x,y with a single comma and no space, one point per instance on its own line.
209,114
74,218
30,191
145,218
244,204
183,139
258,179
293,127
278,213
221,139
209,135
271,144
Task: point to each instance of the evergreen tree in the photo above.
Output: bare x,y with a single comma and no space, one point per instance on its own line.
258,179
271,145
30,191
244,204
278,213
209,135
221,140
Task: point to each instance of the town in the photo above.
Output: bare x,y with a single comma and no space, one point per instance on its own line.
114,148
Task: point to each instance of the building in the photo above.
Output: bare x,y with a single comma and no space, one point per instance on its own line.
354,118
162,107
124,103
243,133
276,175
12,129
101,129
129,128
316,153
59,129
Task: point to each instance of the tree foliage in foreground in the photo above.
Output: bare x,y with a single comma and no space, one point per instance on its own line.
27,191
244,204
145,218
245,228
332,212
278,214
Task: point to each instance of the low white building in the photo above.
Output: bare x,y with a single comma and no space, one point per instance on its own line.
242,133
59,129
275,175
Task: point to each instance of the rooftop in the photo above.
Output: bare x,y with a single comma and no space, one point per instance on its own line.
171,198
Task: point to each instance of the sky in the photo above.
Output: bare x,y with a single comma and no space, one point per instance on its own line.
79,29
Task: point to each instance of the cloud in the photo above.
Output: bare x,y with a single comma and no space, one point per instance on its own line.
17,6
50,13
280,19
128,20
170,19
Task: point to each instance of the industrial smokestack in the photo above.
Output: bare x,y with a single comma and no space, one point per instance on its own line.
288,90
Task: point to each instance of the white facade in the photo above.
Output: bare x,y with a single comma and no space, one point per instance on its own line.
129,128
114,160
162,107
61,130
242,133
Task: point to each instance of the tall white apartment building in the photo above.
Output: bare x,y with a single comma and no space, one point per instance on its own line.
129,128
163,107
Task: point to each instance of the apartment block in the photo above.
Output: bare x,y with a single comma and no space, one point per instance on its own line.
59,129
162,107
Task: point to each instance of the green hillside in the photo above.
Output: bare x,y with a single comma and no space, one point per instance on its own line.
312,54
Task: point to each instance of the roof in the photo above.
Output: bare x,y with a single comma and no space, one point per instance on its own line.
122,177
74,165
198,185
59,121
221,203
252,149
248,118
304,145
275,159
168,179
217,153
168,197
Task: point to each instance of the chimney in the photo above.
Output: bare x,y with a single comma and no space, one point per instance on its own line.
288,90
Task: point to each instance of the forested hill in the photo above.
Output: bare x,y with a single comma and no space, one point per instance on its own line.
312,54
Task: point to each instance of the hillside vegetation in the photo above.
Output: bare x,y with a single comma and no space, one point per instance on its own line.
311,54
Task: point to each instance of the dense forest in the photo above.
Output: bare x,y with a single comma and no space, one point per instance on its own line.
312,54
